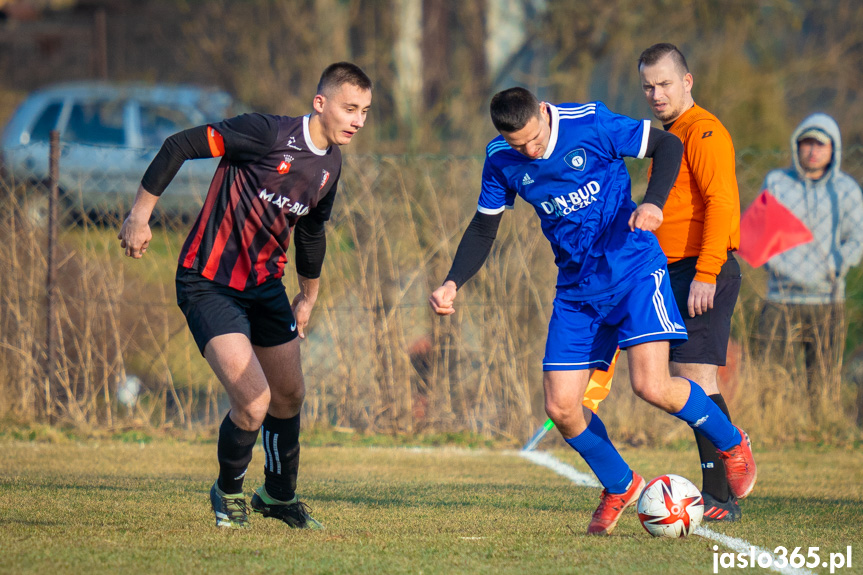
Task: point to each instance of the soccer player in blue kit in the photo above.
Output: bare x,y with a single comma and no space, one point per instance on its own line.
612,288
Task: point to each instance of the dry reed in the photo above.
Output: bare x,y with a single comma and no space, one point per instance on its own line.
376,357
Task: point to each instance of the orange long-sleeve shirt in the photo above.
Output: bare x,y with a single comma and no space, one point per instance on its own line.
702,215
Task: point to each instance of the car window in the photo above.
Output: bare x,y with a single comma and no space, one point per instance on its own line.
47,121
159,122
99,123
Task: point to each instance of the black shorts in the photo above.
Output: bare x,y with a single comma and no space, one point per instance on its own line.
262,313
708,332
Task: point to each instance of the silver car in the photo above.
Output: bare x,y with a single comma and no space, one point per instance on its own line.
109,133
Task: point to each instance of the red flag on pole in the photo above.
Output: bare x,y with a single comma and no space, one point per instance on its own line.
767,228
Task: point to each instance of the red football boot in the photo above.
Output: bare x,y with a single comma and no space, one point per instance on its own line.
740,467
611,506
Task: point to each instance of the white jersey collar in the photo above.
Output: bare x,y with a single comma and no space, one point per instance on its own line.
314,149
552,138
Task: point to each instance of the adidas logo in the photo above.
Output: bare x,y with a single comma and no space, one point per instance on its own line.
526,180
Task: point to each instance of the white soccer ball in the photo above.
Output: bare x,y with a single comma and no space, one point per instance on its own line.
670,506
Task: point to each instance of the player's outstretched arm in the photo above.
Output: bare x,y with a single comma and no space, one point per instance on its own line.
473,250
667,152
189,144
135,233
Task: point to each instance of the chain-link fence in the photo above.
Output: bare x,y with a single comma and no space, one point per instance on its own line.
376,358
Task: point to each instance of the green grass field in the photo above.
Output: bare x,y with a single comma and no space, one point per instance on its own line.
111,506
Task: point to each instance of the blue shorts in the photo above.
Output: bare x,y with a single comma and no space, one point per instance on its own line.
585,335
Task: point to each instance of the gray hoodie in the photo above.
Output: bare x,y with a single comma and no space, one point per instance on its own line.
832,209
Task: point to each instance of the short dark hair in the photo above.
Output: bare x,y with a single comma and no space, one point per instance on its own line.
513,108
659,51
340,73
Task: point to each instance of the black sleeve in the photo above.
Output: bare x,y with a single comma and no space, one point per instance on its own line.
667,152
248,137
474,247
310,239
186,145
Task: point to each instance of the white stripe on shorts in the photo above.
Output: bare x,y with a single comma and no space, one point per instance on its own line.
659,302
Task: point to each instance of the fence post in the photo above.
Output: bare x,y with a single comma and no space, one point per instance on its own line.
50,276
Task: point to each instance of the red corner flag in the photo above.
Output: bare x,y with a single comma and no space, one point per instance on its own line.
768,228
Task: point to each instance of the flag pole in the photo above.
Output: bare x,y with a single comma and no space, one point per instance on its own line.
597,390
537,437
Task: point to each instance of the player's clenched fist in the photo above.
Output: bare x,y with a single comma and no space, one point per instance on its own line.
441,299
647,217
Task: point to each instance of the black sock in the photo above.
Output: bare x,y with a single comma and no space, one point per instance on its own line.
235,453
282,451
712,469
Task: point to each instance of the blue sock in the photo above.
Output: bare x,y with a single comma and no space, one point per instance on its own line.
599,453
701,413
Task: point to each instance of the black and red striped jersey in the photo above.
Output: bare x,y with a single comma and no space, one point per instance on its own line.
270,176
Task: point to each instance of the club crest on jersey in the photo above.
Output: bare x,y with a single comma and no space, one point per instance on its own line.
576,159
324,179
572,202
285,166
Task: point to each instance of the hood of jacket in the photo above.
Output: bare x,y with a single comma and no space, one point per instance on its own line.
828,125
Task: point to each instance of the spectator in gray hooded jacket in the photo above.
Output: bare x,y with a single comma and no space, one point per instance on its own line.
806,284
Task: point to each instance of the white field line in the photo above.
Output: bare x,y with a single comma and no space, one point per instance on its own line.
561,468
733,543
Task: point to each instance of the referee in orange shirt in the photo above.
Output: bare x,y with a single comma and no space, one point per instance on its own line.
699,232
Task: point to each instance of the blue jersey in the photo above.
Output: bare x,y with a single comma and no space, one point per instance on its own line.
581,191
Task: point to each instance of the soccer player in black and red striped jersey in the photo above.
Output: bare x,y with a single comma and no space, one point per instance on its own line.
278,175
